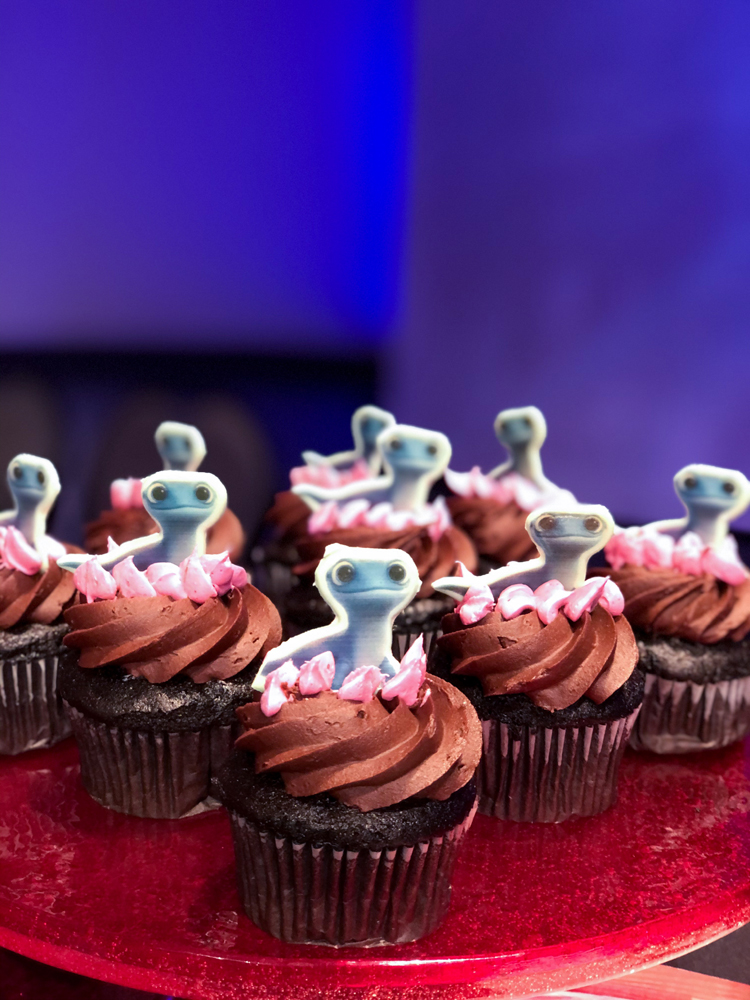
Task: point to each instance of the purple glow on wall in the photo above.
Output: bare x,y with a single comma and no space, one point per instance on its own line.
581,238
186,169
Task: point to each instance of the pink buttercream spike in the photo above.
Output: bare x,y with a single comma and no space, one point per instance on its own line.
18,554
377,515
398,520
196,581
688,553
477,602
724,562
612,598
584,598
442,520
121,493
550,597
514,600
361,684
166,580
407,682
625,548
352,513
130,580
278,687
93,580
317,674
324,519
657,550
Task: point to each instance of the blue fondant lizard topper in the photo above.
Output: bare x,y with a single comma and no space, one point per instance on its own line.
414,459
366,589
181,446
184,505
566,539
367,424
712,498
34,486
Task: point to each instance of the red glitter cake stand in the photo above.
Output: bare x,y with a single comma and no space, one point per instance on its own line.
152,904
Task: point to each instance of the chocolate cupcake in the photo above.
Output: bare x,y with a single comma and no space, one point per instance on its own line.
687,596
492,509
276,556
549,662
34,592
352,789
181,447
390,511
167,652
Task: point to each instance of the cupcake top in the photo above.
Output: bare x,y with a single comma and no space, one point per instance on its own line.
684,577
167,608
339,714
539,628
182,448
33,588
391,510
492,507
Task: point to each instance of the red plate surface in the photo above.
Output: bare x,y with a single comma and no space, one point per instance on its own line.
152,904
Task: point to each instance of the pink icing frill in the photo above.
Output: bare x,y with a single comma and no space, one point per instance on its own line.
198,577
407,682
504,490
125,494
433,516
547,600
645,546
278,689
18,554
328,476
317,674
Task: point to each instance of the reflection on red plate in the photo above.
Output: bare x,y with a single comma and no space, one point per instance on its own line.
152,904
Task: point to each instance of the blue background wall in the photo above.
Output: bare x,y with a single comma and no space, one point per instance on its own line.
492,203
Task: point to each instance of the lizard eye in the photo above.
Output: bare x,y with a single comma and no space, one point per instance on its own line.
546,523
728,487
202,493
397,572
592,524
344,573
17,472
40,477
157,493
689,482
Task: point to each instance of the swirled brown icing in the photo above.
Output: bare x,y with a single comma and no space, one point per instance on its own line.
498,530
368,754
125,524
699,608
158,637
554,665
40,598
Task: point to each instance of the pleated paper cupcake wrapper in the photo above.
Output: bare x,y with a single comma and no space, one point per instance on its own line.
548,775
31,712
683,716
403,637
151,774
313,894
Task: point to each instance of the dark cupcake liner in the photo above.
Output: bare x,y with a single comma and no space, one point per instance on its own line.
31,713
547,775
319,894
685,716
151,774
405,635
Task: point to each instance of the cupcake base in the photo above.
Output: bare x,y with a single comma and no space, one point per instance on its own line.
548,775
539,766
31,711
152,750
158,775
697,696
313,871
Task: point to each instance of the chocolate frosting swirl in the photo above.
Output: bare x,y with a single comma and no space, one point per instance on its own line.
433,559
40,598
125,524
158,637
553,665
368,754
498,530
699,608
